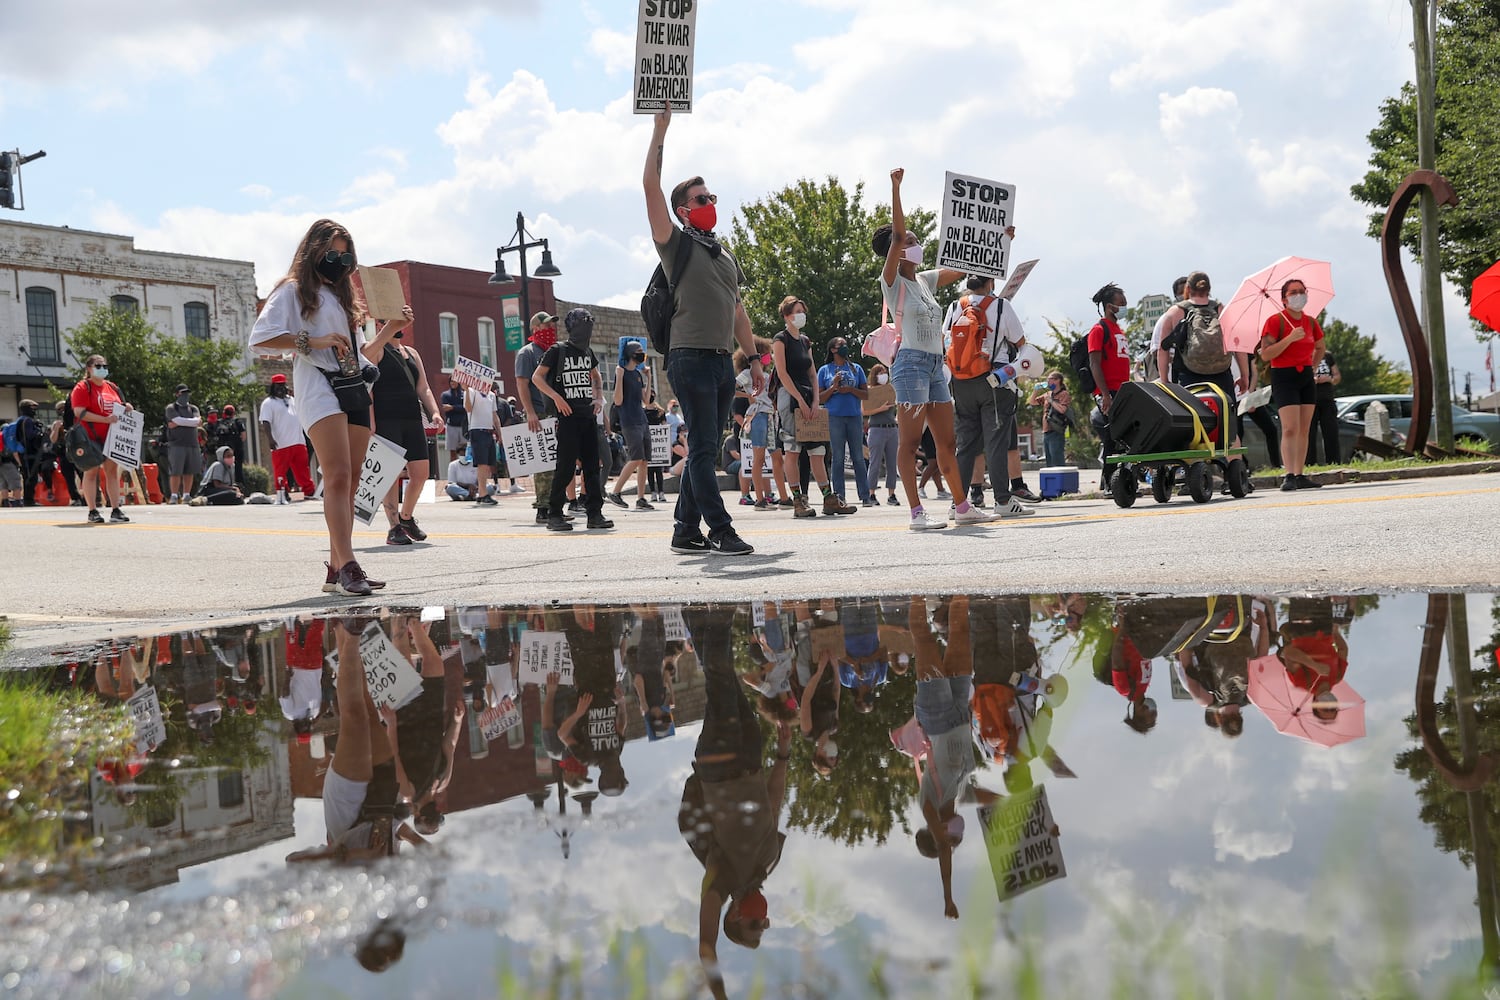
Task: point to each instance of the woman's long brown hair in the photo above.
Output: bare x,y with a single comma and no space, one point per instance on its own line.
304,271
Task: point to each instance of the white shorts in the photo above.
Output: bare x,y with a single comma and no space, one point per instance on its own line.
342,800
315,398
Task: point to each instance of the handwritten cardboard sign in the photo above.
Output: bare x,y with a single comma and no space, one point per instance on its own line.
976,213
498,720
473,375
666,31
1022,842
674,629
393,681
814,428
527,453
383,464
145,712
544,653
123,443
384,298
879,396
1017,278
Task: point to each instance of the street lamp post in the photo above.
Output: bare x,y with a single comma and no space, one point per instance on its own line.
519,245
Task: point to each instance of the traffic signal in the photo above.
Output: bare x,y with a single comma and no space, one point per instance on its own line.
8,169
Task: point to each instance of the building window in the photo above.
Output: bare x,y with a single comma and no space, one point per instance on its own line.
41,322
231,789
195,320
448,340
487,342
125,303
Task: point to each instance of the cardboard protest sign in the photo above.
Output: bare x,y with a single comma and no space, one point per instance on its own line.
1022,842
666,30
472,375
145,711
527,453
383,464
975,215
897,639
384,298
661,444
673,627
814,428
392,679
828,642
879,395
498,720
1017,278
123,443
544,653
758,614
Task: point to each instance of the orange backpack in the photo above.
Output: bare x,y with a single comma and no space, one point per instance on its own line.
966,356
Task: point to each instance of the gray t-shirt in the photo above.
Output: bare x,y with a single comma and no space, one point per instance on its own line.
949,764
528,359
920,321
180,436
706,296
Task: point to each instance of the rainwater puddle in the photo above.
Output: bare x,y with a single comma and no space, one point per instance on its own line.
1211,796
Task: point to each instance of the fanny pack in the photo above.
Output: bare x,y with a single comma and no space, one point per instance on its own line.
353,390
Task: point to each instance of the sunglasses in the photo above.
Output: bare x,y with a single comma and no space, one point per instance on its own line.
704,199
334,257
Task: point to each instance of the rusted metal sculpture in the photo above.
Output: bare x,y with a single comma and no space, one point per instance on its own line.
1406,312
1471,775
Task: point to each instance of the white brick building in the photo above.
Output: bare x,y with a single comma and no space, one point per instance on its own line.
51,276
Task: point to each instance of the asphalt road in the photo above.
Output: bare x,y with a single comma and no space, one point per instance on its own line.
67,581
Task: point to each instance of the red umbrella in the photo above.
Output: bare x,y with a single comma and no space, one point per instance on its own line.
1290,708
1484,298
1259,297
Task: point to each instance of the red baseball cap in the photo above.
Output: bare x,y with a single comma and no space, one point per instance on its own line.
275,379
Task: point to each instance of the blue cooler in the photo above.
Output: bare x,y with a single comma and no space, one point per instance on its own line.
1059,479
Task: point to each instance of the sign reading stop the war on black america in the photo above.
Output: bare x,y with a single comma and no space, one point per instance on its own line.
664,55
976,213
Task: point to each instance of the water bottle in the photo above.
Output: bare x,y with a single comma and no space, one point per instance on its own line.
1025,683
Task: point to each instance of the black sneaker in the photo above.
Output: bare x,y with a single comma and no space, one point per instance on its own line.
396,536
1024,494
891,501
1306,483
1288,484
559,524
487,502
729,544
95,517
117,516
694,545
617,500
576,506
976,497
600,521
541,515
643,504
409,525
352,581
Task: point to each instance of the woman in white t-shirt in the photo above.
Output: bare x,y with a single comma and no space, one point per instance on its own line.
314,312
922,397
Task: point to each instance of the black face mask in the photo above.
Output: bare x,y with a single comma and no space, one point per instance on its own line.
581,332
399,334
279,391
334,265
638,358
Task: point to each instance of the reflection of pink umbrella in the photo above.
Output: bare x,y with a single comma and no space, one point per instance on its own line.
1290,708
1259,298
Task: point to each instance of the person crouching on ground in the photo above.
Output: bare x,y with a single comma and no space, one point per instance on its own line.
217,488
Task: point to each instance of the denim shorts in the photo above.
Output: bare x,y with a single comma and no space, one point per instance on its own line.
758,425
919,378
942,703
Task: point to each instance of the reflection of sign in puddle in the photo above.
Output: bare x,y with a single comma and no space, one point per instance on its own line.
1023,843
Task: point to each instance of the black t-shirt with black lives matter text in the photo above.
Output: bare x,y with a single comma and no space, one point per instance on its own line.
571,372
1325,367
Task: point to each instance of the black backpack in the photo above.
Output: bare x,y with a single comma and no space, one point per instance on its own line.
659,304
1078,360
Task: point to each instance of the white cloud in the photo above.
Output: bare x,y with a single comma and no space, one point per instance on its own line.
1187,115
615,49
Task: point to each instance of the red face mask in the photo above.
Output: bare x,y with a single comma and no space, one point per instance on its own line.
545,337
704,217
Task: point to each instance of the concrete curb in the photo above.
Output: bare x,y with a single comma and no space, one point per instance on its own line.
1342,476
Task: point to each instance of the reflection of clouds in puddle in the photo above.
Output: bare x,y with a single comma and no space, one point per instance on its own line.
1275,837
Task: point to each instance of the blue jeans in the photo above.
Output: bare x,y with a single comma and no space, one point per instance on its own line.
703,382
847,433
1054,444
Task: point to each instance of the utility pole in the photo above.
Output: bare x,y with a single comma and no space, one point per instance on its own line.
1424,37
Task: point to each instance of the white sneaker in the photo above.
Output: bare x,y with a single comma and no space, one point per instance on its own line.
974,515
924,523
1013,508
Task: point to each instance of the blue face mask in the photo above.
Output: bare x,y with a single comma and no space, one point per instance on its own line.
101,371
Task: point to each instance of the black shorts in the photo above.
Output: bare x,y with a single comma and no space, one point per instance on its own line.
482,443
1293,386
408,435
360,419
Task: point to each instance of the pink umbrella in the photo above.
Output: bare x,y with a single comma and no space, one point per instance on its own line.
1290,708
1259,298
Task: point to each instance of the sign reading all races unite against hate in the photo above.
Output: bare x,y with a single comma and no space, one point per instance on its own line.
664,55
527,453
976,213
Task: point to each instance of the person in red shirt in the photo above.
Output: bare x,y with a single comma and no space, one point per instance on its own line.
94,400
1109,360
1292,343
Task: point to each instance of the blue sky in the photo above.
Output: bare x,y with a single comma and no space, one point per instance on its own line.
1145,139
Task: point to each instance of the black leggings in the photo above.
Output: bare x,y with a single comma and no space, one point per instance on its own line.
1324,415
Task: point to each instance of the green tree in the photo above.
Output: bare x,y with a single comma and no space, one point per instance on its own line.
1468,142
812,240
148,364
1363,371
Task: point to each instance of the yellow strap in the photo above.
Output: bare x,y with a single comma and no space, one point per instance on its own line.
1201,440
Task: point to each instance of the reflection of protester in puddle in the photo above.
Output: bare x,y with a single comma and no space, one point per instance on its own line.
1217,674
304,701
1066,608
865,665
1128,671
731,804
360,789
1314,652
818,710
584,718
773,659
199,678
424,732
1011,726
646,662
945,688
